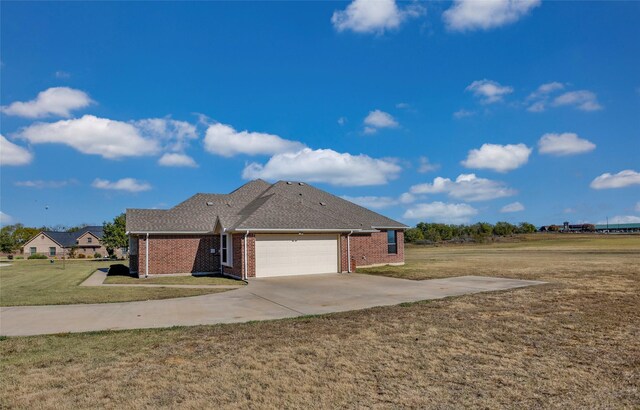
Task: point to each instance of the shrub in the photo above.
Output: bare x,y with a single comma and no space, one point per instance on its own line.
37,256
81,256
97,255
10,257
19,257
118,270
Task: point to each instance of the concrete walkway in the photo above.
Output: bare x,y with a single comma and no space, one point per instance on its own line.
99,276
261,299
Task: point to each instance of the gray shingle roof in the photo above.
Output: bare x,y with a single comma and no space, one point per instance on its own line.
67,239
258,205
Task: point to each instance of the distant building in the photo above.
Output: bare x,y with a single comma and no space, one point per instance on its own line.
566,227
86,241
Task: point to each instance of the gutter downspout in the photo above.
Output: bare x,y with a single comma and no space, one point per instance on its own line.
349,252
246,262
146,258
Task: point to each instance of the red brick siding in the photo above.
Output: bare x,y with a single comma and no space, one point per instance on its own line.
238,256
371,249
178,254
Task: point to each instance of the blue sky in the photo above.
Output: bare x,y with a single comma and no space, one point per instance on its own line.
424,111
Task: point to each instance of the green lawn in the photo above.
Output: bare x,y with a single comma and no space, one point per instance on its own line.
39,282
175,280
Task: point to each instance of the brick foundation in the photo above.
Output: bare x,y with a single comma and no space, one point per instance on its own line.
371,249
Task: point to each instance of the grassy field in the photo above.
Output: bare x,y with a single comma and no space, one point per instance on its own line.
39,282
573,343
174,280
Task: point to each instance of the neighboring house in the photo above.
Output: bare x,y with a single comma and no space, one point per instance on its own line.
262,230
86,241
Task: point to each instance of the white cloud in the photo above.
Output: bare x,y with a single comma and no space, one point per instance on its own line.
489,91
462,113
501,158
546,89
403,105
92,135
40,184
175,134
582,99
342,121
177,160
486,14
58,101
5,219
367,16
467,187
564,144
124,184
62,74
223,140
512,207
621,219
12,154
441,212
325,165
426,166
378,119
622,179
380,202
540,96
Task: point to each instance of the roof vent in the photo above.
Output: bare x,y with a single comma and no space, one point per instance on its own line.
301,183
209,203
288,182
323,203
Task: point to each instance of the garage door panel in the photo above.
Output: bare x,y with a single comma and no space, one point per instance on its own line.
292,254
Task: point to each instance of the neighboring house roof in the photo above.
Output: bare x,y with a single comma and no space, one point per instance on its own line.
69,239
259,205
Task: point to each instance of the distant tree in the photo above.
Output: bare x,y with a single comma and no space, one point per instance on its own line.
76,228
115,234
503,229
21,234
7,244
413,235
553,228
589,227
526,227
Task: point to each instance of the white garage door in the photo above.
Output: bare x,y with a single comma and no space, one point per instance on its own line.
293,254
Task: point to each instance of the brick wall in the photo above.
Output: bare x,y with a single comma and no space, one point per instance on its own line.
178,254
371,249
238,256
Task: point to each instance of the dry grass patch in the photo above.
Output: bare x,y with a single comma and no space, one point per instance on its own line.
573,343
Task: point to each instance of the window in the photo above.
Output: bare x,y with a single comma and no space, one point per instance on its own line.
225,250
33,250
89,239
392,246
52,251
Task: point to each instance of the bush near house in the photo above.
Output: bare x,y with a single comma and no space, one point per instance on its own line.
97,255
81,256
37,256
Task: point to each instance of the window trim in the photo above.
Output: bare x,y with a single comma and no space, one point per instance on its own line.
392,245
33,250
89,239
228,252
52,251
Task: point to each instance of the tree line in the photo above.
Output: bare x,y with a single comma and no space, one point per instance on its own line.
436,232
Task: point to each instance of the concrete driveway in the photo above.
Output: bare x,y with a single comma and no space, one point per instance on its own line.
262,299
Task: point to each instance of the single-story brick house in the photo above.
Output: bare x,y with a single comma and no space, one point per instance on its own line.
262,230
86,241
